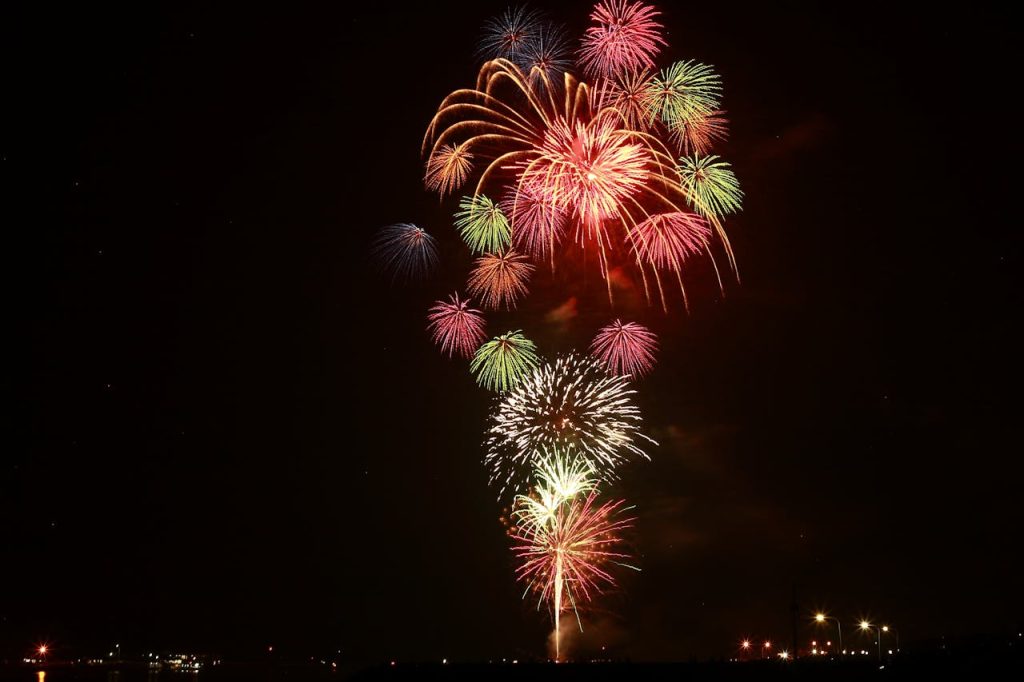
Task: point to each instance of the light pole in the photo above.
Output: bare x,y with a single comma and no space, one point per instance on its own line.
765,647
867,627
886,629
822,618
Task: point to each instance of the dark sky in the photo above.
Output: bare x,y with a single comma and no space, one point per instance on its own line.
229,431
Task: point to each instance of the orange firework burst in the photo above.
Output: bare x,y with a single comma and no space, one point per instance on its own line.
499,279
448,168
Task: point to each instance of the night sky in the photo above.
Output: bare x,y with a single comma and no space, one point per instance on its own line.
230,431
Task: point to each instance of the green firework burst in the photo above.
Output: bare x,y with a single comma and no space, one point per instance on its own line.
683,93
711,187
501,363
482,225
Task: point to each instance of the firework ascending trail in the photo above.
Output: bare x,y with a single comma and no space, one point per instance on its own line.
572,405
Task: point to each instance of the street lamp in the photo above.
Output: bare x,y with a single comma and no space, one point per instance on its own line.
895,632
822,618
866,627
765,647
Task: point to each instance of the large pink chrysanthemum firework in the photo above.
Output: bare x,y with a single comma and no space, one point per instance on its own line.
456,327
499,279
588,171
627,348
627,37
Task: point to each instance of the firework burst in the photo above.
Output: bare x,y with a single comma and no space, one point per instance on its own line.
406,251
546,55
448,168
567,561
684,92
483,225
700,133
509,35
572,405
537,226
499,279
456,327
628,348
712,185
626,37
558,478
501,363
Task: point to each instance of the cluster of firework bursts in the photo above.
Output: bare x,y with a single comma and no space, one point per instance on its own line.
612,168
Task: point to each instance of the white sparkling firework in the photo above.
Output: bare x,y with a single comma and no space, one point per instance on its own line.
573,405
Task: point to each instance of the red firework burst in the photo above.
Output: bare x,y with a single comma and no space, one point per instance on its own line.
699,135
628,348
665,240
499,279
627,37
456,327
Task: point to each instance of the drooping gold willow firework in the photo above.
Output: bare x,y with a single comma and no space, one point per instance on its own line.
601,158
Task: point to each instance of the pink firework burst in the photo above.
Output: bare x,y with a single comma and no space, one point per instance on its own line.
537,225
627,37
588,171
666,240
499,279
456,327
628,348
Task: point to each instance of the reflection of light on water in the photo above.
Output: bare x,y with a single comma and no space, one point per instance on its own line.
41,676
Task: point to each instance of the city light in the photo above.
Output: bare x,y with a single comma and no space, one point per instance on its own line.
784,655
43,649
745,644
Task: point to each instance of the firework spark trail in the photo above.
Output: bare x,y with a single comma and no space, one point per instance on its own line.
406,251
573,405
569,557
628,348
456,327
500,363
